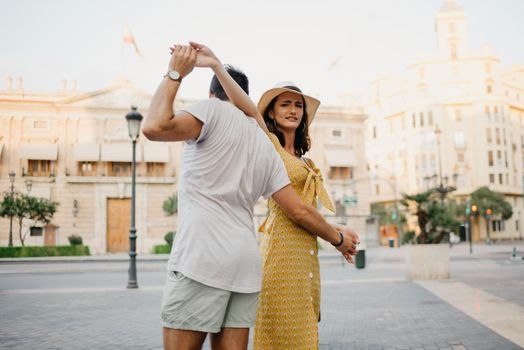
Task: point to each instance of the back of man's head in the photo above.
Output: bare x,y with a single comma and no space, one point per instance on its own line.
218,91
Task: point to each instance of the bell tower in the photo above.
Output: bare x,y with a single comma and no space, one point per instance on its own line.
451,26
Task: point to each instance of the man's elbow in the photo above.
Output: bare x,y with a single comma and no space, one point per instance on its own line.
149,132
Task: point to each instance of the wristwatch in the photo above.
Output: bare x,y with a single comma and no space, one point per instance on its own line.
174,75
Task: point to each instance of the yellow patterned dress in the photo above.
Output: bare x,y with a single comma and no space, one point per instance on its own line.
289,304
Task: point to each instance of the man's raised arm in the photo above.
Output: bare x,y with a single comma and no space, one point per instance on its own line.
161,123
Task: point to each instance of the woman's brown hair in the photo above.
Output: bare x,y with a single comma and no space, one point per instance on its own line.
302,140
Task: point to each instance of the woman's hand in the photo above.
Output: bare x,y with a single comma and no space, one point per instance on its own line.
206,57
183,59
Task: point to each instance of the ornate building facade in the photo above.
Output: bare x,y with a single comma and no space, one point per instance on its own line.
455,117
75,149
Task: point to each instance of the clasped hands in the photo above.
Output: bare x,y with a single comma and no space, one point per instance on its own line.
185,57
351,240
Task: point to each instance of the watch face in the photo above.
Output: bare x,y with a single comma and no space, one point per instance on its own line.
174,75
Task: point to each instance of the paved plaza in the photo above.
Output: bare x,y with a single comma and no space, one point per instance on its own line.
78,303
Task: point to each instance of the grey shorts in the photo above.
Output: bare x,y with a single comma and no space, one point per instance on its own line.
191,305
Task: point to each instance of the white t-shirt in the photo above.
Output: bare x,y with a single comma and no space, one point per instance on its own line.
223,173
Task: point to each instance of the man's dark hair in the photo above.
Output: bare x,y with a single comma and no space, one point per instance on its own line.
216,89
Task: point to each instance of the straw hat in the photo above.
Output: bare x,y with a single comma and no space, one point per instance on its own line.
287,86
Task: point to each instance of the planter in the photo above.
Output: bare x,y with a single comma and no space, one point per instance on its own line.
427,261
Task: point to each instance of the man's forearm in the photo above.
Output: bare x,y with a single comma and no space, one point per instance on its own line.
161,109
310,219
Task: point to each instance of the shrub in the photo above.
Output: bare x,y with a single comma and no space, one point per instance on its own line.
75,240
162,249
169,238
25,252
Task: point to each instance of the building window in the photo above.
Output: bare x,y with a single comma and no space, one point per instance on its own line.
486,110
86,168
497,136
336,133
499,158
516,225
501,179
119,169
377,189
460,157
491,179
39,167
460,139
452,27
497,225
155,169
423,161
458,115
36,231
430,118
496,109
414,120
490,158
489,89
40,124
340,173
487,68
453,51
421,118
432,161
488,134
374,132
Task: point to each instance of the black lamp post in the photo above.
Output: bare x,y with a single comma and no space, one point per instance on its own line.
12,176
133,123
443,189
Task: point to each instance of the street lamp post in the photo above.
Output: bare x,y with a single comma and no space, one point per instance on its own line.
12,176
443,189
133,123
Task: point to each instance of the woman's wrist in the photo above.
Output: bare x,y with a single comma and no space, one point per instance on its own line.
216,65
340,242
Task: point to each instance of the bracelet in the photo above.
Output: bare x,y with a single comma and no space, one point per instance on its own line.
341,240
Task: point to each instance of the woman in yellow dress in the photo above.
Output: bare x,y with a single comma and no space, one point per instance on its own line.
289,302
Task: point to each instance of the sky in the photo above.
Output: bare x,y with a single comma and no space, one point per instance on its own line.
328,48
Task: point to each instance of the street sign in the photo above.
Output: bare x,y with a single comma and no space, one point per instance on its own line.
350,201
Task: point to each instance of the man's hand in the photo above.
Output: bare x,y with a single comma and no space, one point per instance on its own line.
351,240
205,57
183,59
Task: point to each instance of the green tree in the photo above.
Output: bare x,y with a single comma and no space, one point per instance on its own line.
435,219
485,199
170,205
8,209
23,206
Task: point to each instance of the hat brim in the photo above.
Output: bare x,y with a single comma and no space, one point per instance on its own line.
312,103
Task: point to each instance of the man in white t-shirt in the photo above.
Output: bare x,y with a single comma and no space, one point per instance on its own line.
228,162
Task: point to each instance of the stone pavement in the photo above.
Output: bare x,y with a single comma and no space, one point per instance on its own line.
86,306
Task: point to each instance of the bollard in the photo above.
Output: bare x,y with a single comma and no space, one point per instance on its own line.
360,261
